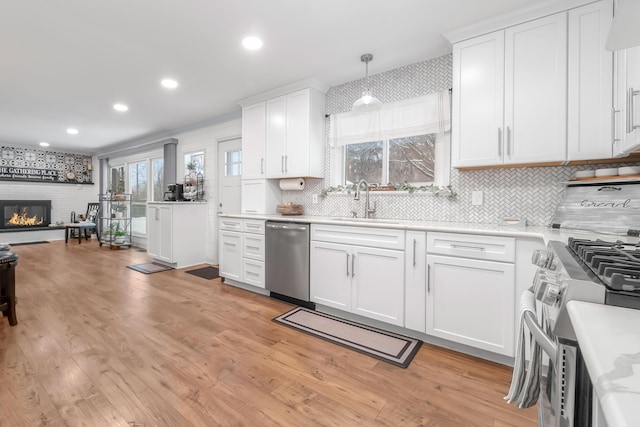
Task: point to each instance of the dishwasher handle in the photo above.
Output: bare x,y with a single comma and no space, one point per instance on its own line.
293,227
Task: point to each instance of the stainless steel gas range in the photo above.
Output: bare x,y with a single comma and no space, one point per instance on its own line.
602,271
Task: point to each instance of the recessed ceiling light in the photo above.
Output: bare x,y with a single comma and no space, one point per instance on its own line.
120,107
44,144
72,131
252,43
169,83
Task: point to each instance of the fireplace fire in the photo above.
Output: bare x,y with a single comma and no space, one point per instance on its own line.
25,214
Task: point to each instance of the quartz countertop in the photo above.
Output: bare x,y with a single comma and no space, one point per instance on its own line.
609,339
537,232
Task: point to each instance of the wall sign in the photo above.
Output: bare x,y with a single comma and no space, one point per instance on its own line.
33,165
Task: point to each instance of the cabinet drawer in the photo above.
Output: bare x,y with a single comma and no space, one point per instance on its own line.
253,272
360,236
253,226
231,224
253,246
472,246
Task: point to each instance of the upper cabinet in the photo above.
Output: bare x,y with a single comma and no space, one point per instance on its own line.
625,103
253,141
294,135
509,95
520,96
590,76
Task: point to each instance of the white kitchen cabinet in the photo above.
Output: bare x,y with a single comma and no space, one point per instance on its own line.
259,196
415,281
330,279
176,233
231,255
509,95
295,135
242,251
471,302
590,94
253,141
625,104
365,280
471,290
159,232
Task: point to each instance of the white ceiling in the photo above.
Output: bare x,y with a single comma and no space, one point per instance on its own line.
65,63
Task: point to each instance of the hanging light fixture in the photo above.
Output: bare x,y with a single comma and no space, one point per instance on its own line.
367,100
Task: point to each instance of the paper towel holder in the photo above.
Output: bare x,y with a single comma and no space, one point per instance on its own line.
292,184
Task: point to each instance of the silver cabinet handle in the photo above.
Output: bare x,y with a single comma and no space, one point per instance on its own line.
630,107
282,164
353,270
286,163
157,211
414,251
428,278
508,141
262,166
253,247
229,244
614,126
473,248
250,211
252,226
251,273
347,265
499,141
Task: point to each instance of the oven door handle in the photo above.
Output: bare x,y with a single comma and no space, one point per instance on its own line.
541,338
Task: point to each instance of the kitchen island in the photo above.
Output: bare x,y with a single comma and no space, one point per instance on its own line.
609,339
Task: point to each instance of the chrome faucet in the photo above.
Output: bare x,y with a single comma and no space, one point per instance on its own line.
367,207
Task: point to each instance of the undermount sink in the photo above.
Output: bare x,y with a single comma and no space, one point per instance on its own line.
371,220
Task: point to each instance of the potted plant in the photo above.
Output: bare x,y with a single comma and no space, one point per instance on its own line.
191,177
119,237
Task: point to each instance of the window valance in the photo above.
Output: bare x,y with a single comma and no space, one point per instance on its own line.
416,116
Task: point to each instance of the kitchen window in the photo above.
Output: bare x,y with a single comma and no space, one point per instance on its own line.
197,160
410,159
404,141
157,172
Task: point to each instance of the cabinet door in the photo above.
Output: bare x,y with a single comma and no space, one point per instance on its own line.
626,105
253,141
478,101
296,161
276,136
415,281
259,196
330,275
471,302
160,232
231,255
378,284
536,91
590,79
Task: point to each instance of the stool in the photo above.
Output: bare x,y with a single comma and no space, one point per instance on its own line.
8,262
78,228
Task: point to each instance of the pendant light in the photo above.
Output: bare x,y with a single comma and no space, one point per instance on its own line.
367,100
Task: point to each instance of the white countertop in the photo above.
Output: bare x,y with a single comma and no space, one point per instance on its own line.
609,338
537,232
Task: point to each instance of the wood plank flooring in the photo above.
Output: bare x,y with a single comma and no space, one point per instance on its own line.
98,344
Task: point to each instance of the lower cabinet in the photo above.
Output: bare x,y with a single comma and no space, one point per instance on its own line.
415,281
471,302
175,232
242,251
368,281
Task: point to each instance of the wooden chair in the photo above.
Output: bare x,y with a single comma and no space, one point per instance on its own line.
88,225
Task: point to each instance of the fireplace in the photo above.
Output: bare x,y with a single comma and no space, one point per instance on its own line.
24,214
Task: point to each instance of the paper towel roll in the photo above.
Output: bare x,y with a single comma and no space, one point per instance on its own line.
292,184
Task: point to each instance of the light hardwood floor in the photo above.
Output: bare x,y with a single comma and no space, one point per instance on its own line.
98,344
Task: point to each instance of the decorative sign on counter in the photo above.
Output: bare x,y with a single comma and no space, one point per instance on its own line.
33,165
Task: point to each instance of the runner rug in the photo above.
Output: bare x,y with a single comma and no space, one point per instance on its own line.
149,267
387,346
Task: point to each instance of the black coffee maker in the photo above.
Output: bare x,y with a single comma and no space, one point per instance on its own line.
175,193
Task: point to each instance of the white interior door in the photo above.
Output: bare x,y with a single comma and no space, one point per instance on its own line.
230,175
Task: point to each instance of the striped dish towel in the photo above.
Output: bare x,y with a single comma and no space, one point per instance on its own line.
525,383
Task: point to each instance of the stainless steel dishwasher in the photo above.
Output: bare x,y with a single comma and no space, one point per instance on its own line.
287,261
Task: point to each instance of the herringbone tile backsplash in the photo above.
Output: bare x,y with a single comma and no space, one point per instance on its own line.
526,193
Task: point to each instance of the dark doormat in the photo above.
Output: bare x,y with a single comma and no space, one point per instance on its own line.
383,345
149,267
28,243
205,272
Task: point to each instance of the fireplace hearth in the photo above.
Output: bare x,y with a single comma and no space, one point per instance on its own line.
24,214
